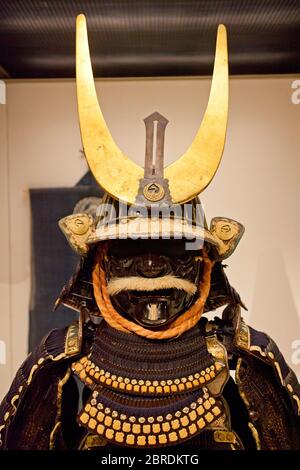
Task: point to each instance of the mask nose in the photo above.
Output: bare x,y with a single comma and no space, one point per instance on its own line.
152,266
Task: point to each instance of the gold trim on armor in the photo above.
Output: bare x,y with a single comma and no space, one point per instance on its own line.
60,385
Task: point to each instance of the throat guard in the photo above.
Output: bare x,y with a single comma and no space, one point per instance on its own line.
152,393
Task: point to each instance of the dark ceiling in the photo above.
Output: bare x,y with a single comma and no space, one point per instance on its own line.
148,37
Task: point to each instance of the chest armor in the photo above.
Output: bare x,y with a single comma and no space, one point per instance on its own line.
150,394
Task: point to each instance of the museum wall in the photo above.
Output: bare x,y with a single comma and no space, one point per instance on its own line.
257,184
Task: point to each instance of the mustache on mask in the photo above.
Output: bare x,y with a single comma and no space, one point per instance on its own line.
137,283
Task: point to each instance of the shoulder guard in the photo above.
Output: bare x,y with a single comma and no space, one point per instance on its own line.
267,385
260,345
54,350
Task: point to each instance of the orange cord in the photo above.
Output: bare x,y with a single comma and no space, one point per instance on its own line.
183,323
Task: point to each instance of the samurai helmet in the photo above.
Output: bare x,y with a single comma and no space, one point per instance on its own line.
154,202
133,193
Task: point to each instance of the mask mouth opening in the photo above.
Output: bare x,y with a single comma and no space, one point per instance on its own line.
159,295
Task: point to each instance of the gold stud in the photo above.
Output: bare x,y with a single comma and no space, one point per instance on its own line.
162,439
120,379
115,384
183,433
126,427
134,381
216,410
87,407
184,420
166,427
189,385
175,424
146,429
176,381
212,374
100,429
169,417
151,419
166,389
82,375
156,428
192,428
159,389
132,419
84,418
151,389
207,405
174,388
169,382
201,423
92,423
136,428
151,440
122,386
116,424
114,377
142,419
183,380
141,382
178,414
212,400
109,433
141,440
119,437
173,437
155,383
181,387
160,419
186,409
100,416
130,439
193,415
107,411
126,380
108,420
122,417
136,388
209,417
108,381
129,387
